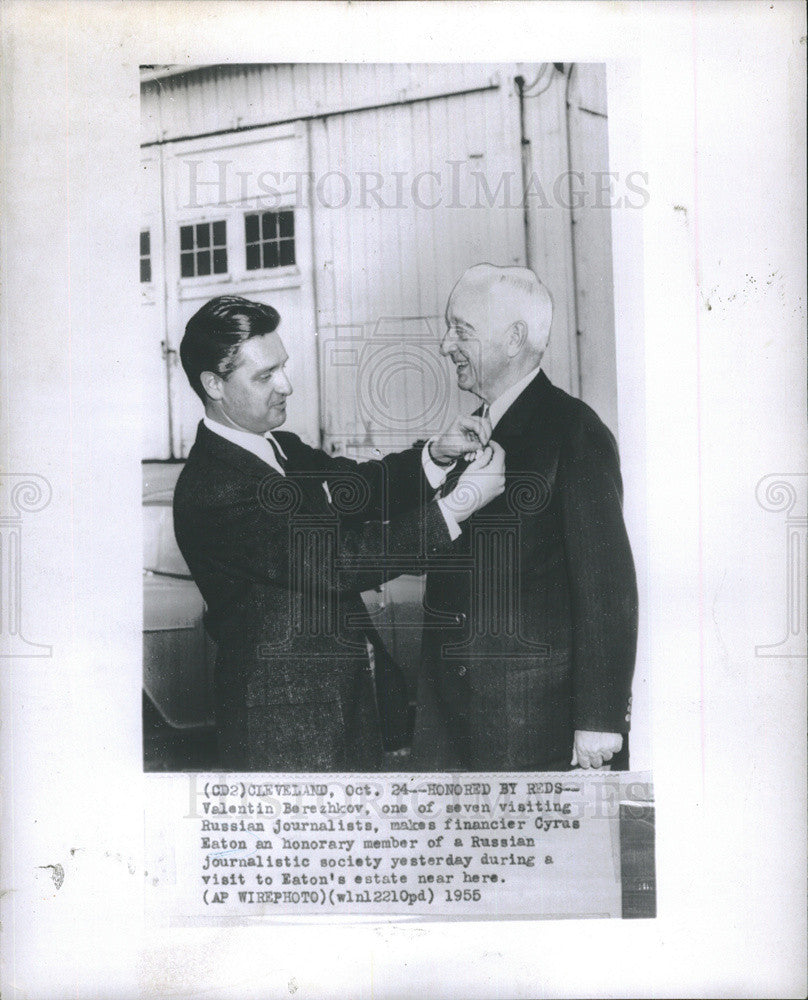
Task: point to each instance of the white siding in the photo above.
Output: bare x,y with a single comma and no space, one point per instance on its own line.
371,280
216,98
155,426
592,235
549,218
387,270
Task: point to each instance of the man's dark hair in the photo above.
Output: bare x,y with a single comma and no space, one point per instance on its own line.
215,332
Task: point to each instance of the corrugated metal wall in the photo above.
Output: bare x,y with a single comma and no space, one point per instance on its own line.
385,270
218,98
592,242
415,172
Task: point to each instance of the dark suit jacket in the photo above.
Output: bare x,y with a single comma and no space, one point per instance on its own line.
530,623
280,567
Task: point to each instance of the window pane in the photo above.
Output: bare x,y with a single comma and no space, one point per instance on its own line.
287,223
145,269
253,257
251,228
268,228
203,235
203,262
186,237
220,262
144,243
219,234
187,265
287,252
270,255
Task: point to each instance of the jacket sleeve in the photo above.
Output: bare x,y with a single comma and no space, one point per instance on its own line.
601,576
378,489
250,531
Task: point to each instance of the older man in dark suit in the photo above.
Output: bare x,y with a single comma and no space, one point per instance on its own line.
281,538
531,620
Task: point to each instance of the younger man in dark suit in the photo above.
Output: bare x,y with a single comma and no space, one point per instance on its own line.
281,538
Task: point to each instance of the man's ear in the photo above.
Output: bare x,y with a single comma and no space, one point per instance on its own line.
212,384
516,337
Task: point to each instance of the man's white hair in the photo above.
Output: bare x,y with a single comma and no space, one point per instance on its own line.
518,295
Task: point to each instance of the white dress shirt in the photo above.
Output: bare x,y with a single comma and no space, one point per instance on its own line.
261,445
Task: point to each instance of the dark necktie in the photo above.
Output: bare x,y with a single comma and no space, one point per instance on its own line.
278,457
462,463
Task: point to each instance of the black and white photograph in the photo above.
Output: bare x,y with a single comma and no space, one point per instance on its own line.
401,277
402,560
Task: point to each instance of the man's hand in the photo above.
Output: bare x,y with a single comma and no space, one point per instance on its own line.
465,435
482,481
595,749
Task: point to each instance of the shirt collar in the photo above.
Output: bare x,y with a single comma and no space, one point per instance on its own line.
258,444
497,409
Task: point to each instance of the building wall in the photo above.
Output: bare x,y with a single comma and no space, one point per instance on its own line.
220,98
399,178
592,241
386,271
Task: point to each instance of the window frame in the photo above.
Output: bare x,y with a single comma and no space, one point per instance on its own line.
281,269
209,220
149,284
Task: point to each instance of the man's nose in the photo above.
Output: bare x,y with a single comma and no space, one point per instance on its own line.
283,385
447,345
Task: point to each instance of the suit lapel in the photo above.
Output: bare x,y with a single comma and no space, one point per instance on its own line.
519,421
245,463
516,429
239,459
